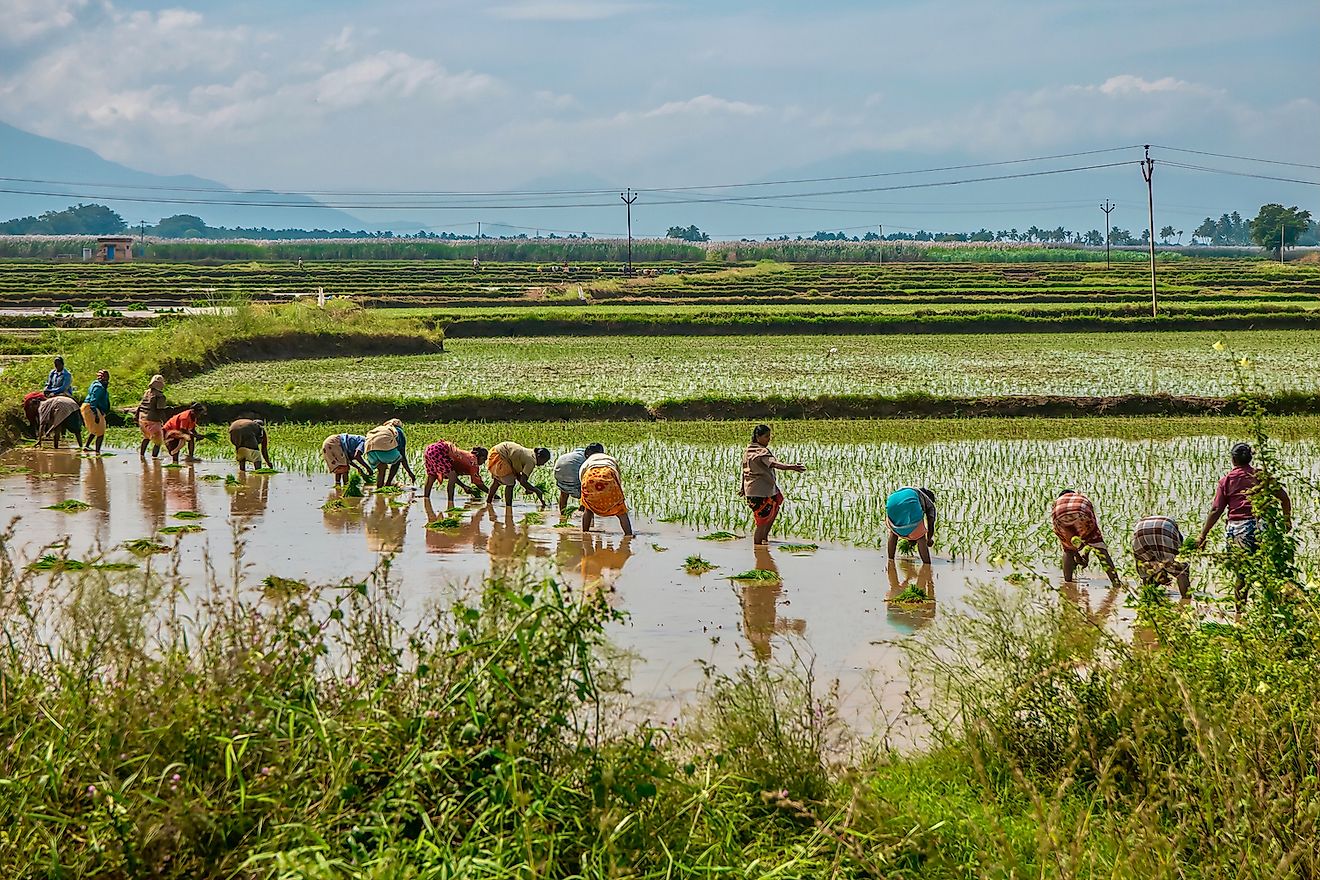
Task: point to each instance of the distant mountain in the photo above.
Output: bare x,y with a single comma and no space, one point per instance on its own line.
36,158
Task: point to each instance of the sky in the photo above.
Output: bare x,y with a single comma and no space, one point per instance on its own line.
534,94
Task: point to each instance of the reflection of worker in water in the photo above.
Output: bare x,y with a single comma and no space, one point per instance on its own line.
95,491
251,495
467,536
153,491
1081,597
385,525
340,520
602,561
760,608
908,582
181,489
510,541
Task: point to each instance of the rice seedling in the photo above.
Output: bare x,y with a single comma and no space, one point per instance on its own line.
56,564
212,478
720,536
532,518
282,588
698,565
910,595
446,523
798,548
389,490
180,530
354,487
265,471
71,505
189,514
658,549
144,547
758,576
339,505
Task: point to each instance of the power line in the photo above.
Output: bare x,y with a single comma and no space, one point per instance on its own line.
1210,170
1239,158
745,200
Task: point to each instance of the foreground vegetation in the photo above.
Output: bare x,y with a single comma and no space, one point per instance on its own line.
163,729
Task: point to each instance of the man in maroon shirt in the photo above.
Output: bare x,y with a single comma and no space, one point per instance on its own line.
1233,495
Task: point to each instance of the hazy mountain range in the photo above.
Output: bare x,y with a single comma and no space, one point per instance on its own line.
45,174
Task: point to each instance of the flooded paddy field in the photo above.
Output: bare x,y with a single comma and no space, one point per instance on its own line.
830,607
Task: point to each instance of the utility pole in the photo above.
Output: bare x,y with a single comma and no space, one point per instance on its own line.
882,244
1281,225
628,198
142,238
1108,207
1148,171
478,256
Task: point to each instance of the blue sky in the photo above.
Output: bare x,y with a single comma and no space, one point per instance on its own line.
510,93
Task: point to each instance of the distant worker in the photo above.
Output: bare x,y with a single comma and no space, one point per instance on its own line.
568,470
250,443
443,460
1233,495
181,428
510,464
1078,531
602,491
343,453
96,410
910,515
1156,544
759,485
387,446
59,414
59,382
152,413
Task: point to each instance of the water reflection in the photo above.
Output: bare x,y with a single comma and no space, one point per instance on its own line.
151,492
180,488
250,496
466,538
601,563
760,608
385,525
1080,595
510,541
905,574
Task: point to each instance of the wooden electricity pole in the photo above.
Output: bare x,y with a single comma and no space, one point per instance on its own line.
1108,207
882,244
1148,171
628,198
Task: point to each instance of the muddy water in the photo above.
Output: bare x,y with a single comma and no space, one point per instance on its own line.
830,605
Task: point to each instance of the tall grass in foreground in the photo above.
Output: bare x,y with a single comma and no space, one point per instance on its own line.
153,728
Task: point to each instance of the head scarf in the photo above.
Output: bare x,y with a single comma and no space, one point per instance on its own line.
394,423
157,382
102,375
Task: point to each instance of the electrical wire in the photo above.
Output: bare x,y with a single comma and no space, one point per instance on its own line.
1239,158
1209,170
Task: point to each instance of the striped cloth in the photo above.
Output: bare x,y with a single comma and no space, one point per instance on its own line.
1073,518
1155,545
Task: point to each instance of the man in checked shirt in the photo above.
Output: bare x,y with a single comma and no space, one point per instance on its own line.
1156,544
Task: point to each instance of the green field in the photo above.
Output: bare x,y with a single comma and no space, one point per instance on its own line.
651,370
995,478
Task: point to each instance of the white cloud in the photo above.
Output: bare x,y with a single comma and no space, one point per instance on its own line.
26,20
705,105
388,75
564,10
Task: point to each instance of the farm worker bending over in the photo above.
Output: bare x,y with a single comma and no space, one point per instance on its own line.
1156,544
249,439
1233,495
58,414
32,409
443,460
96,409
342,452
182,428
509,465
568,470
602,491
759,486
387,445
910,514
152,412
1073,518
59,382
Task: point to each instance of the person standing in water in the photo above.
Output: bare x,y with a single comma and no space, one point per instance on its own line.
568,470
443,460
152,413
96,410
511,464
249,439
1078,530
910,515
759,485
602,492
387,446
344,452
1233,496
182,428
